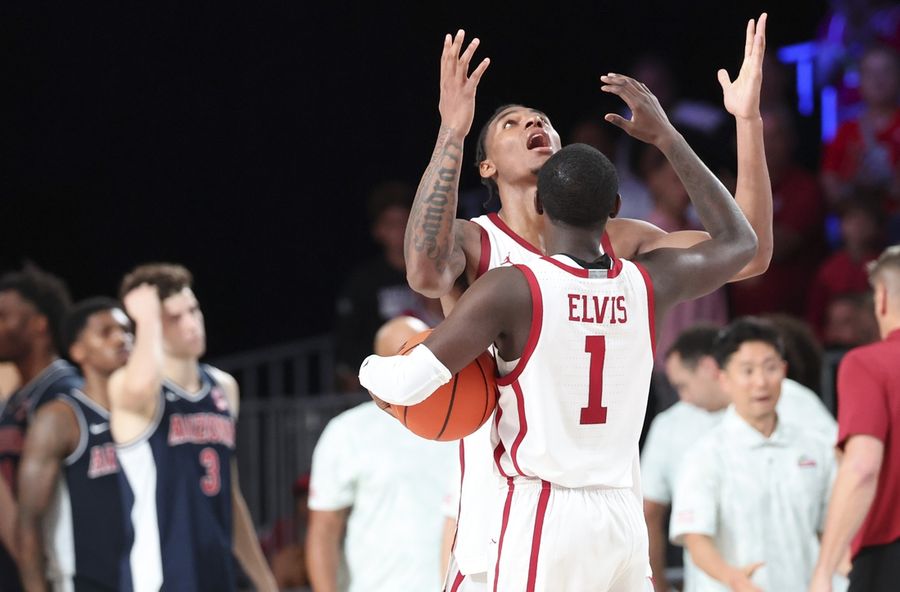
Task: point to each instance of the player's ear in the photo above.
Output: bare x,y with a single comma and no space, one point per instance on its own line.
487,169
77,353
538,205
617,205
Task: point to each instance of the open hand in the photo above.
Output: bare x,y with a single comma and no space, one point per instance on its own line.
741,97
648,121
457,103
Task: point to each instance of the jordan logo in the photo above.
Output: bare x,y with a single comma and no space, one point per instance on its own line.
98,428
506,261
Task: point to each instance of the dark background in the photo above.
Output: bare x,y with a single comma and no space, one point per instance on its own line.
242,139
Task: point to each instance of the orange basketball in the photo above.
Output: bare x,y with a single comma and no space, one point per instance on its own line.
456,409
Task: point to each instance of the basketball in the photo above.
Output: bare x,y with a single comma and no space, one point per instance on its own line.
456,409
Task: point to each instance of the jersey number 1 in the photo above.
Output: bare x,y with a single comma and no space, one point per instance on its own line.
595,412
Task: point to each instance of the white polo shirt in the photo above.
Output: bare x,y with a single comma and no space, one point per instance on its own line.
394,483
759,499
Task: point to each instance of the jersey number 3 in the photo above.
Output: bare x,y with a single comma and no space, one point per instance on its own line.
595,412
211,482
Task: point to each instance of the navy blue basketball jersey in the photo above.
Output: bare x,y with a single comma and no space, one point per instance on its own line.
85,529
178,493
59,377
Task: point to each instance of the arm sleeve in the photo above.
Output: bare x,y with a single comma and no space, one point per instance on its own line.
695,507
862,406
333,478
655,465
404,380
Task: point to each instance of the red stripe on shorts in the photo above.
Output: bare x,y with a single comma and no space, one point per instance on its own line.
457,581
538,529
506,508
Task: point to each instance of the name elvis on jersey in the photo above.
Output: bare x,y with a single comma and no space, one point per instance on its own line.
585,308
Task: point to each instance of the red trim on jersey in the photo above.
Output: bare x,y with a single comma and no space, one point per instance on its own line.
506,508
523,426
499,223
457,581
485,260
651,305
537,319
538,530
499,449
607,245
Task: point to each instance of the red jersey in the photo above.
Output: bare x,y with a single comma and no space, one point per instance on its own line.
869,404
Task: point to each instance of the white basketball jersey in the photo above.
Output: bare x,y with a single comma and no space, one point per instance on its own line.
500,246
571,409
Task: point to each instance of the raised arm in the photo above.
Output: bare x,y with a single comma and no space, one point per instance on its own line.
708,264
134,389
433,244
52,436
754,189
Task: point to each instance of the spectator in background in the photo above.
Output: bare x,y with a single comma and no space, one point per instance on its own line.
285,544
693,372
844,272
797,220
864,513
376,291
375,496
750,504
849,322
863,160
692,369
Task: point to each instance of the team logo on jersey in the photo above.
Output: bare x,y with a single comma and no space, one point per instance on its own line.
806,461
506,261
218,398
201,428
103,461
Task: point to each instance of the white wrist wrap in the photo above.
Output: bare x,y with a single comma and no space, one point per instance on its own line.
404,380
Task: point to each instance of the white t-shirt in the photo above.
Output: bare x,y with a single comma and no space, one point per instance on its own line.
759,499
394,482
801,406
671,434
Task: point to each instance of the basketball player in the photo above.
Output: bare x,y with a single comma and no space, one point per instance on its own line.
444,255
574,334
69,477
173,421
33,303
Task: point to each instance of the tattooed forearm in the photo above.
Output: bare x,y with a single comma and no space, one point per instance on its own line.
429,233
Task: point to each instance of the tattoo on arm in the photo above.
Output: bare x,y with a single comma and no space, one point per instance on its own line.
430,229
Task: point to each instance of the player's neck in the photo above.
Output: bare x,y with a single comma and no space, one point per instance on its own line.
518,211
96,386
581,243
34,364
184,372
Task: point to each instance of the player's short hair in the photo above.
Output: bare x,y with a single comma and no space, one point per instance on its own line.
45,291
578,186
388,195
888,260
481,147
169,279
744,330
78,317
694,344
